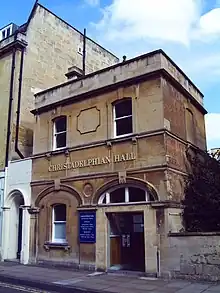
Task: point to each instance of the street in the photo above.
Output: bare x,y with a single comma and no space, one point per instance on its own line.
10,288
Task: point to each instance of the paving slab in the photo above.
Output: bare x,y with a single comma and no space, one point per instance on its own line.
83,281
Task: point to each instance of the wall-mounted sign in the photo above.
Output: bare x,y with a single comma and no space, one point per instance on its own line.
92,162
87,227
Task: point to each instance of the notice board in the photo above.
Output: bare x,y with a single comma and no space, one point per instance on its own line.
87,227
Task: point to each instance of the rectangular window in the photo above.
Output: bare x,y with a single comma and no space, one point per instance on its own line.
59,224
3,34
123,118
60,129
8,32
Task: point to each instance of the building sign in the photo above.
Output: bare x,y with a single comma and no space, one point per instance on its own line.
87,227
92,162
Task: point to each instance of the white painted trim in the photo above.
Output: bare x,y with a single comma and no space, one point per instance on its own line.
115,119
126,194
57,240
107,196
55,133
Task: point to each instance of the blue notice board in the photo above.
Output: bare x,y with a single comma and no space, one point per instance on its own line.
87,227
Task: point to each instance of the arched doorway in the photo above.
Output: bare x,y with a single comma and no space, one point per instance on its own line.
126,208
14,224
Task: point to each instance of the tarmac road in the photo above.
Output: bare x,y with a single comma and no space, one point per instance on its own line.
10,288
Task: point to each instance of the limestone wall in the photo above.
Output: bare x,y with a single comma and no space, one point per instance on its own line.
193,256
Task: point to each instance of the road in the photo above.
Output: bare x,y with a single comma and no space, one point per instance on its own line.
10,288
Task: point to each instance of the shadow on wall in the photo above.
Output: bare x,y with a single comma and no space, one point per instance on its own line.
25,142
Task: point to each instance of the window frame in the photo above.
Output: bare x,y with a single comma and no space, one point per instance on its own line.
115,119
107,196
57,240
6,32
55,133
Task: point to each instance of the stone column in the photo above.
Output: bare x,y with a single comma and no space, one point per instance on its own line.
25,235
33,239
101,240
150,238
5,229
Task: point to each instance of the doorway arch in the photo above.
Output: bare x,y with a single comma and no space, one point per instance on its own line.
124,216
15,223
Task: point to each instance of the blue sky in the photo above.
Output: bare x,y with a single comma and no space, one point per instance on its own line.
187,30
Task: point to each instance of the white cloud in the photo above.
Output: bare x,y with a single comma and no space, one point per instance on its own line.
169,20
187,30
212,124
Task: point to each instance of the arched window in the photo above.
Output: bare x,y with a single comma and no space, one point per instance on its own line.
59,223
122,116
59,132
128,194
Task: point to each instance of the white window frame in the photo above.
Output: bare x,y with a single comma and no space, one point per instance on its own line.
55,133
107,196
120,118
5,30
56,240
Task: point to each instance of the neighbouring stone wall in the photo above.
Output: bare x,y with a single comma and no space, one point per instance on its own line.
192,255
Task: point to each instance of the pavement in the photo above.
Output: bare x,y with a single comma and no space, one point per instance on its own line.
63,280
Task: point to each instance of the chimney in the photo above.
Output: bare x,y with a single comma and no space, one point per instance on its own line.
74,72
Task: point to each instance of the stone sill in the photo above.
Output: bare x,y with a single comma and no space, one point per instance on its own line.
52,245
188,234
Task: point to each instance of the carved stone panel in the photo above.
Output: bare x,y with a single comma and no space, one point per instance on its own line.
88,120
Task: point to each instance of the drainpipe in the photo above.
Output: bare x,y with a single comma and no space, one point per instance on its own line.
19,105
84,52
10,104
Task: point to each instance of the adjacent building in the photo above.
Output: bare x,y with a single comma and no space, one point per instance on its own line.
108,165
33,57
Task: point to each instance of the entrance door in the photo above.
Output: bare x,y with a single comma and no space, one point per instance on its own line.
127,241
20,217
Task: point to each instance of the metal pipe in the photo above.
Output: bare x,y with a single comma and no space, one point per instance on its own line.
84,52
19,105
10,104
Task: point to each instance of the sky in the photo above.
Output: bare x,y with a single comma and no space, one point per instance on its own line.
187,30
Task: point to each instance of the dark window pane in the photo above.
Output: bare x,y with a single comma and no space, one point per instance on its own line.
123,108
60,212
117,195
8,32
124,126
60,124
3,34
61,140
136,194
104,200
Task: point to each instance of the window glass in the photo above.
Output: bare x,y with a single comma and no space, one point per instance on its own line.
3,34
60,129
124,126
117,195
60,231
60,212
136,194
61,140
59,223
8,32
60,124
123,108
123,117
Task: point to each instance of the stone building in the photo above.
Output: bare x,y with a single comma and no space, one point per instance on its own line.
38,53
33,57
108,165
